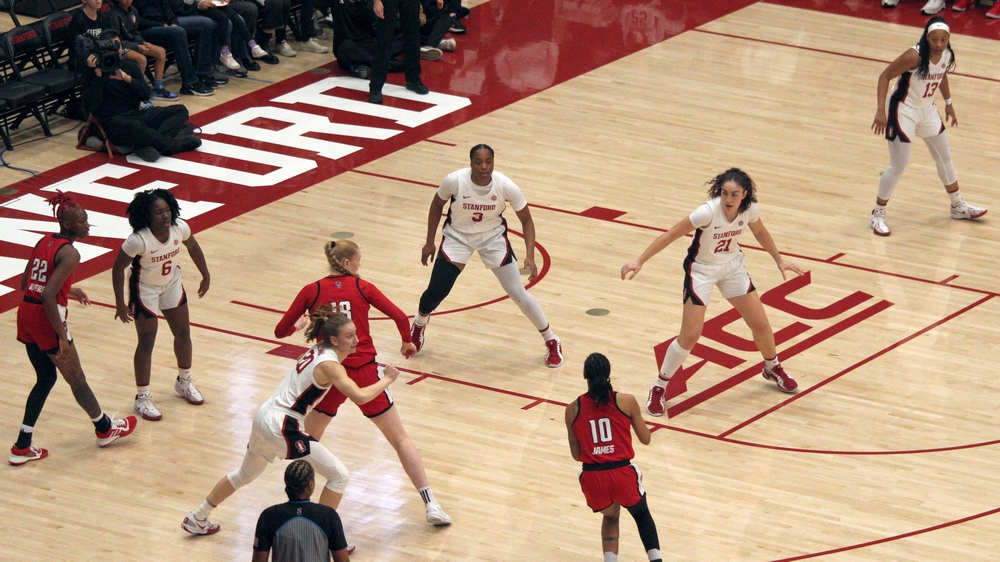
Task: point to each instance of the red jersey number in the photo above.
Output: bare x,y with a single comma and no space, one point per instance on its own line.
930,89
305,360
723,245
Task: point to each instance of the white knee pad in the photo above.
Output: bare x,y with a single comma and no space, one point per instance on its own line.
252,467
329,466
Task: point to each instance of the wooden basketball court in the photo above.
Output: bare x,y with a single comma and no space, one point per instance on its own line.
887,452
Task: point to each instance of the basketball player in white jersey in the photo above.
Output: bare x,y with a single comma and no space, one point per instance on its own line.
153,249
922,71
278,430
475,224
715,259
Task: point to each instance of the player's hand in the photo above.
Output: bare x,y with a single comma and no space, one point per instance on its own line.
203,287
124,314
427,253
632,267
79,295
949,115
408,350
785,265
302,322
390,373
880,122
529,264
379,9
63,353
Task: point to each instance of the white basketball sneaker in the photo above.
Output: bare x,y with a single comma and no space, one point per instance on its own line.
932,7
436,516
963,210
188,391
878,222
143,406
203,527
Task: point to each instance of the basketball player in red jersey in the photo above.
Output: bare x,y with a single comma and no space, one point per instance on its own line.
345,290
598,425
41,327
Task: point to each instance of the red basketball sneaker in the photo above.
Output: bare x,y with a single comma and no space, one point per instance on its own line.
777,375
30,453
417,335
963,5
656,404
119,428
555,357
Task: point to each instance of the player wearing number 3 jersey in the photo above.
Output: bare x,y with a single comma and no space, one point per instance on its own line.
922,71
154,251
600,425
714,258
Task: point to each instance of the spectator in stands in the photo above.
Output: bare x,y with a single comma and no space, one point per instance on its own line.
124,19
189,9
114,100
354,38
241,39
158,24
307,31
433,28
275,16
89,20
452,9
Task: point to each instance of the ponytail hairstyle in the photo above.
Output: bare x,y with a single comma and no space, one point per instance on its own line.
337,252
298,475
138,210
62,204
741,179
924,49
477,148
325,323
597,371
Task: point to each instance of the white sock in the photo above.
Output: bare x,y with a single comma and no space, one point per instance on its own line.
548,334
28,428
610,557
654,554
142,390
184,374
771,363
203,511
98,418
421,320
671,362
878,207
956,197
427,495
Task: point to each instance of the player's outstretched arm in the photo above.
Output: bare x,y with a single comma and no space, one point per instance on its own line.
764,238
682,228
330,373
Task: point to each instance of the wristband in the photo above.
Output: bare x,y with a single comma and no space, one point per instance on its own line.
947,101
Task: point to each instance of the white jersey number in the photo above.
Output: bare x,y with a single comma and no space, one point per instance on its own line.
38,270
602,426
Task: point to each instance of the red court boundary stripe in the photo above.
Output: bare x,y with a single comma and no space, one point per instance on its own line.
825,52
864,361
894,537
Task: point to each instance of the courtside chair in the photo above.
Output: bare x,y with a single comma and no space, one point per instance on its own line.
21,98
33,64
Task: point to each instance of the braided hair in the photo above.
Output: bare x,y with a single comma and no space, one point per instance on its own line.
741,179
597,371
62,204
337,252
298,475
477,148
138,210
924,49
325,323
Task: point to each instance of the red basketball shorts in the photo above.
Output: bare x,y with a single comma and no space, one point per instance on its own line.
621,485
365,375
33,326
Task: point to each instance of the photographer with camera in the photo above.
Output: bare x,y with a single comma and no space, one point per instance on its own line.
112,90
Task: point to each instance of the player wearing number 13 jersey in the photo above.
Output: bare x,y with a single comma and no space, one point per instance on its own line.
922,71
154,251
600,425
714,258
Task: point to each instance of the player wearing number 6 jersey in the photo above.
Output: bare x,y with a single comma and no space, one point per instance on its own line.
478,197
600,425
714,258
922,71
154,250
346,291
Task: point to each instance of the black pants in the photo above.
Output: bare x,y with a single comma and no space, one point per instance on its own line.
155,127
432,32
353,52
408,14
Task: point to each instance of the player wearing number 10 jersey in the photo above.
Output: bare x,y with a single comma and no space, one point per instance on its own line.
153,249
600,425
715,258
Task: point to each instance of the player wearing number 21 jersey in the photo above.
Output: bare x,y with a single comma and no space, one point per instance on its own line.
600,425
715,259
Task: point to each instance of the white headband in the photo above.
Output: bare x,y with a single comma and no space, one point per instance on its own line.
938,25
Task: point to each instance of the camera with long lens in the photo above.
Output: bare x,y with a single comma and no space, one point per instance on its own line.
106,51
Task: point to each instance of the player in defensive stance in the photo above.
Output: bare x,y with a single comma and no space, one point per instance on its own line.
41,326
278,431
345,289
922,70
598,424
715,258
153,250
478,195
